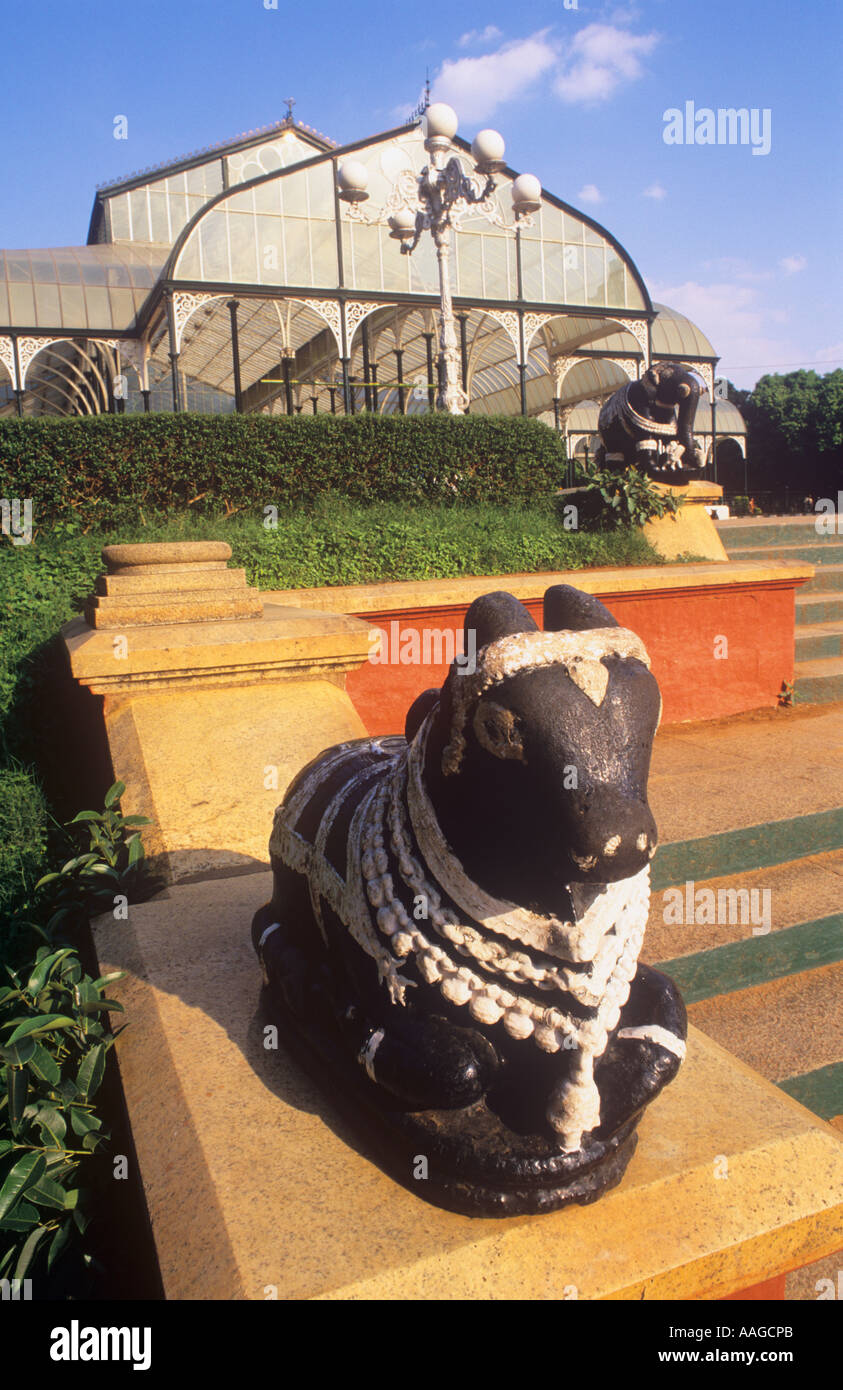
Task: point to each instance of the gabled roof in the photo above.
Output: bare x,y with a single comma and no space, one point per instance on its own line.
155,172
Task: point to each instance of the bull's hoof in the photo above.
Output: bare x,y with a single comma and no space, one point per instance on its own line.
467,1158
427,1063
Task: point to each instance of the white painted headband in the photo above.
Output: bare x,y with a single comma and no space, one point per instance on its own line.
581,653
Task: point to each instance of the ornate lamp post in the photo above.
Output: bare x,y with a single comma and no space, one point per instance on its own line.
436,200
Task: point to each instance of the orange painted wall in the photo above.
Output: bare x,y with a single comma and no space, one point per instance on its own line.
679,628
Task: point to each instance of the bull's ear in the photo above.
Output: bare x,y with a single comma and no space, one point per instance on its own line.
567,609
497,615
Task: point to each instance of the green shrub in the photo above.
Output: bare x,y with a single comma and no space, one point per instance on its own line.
109,469
54,1038
623,497
23,835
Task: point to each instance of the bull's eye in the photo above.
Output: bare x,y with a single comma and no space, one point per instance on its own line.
498,730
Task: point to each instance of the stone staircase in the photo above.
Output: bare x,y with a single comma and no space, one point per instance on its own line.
751,806
818,675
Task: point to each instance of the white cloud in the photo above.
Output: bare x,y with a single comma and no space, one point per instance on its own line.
590,193
791,264
475,87
487,35
737,323
656,191
598,60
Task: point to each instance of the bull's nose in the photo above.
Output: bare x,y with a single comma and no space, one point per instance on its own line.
610,847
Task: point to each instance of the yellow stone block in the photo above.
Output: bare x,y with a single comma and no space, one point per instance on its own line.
258,1188
691,530
207,723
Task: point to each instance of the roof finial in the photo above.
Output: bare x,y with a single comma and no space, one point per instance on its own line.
290,101
426,88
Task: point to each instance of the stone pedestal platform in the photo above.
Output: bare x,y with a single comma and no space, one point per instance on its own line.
161,583
208,720
691,531
257,1188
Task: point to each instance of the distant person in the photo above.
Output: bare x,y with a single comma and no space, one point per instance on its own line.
752,507
808,504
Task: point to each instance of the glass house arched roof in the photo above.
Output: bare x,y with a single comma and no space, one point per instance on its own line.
322,298
282,230
100,288
674,335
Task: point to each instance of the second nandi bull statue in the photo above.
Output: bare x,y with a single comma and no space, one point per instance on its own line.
454,932
648,424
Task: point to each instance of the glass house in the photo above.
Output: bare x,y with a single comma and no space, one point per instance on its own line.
237,279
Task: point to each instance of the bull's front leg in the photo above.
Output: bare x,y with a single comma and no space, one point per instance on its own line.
424,1061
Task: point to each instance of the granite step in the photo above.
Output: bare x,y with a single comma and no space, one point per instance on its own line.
819,608
827,551
819,681
827,579
795,893
739,532
818,640
783,1028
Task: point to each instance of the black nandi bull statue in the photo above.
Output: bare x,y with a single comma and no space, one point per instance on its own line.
649,424
456,919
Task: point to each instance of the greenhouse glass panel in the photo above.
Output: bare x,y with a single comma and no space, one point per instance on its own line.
122,308
532,277
118,211
297,248
573,228
294,195
21,304
270,250
244,264
367,258
553,257
615,279
99,309
117,274
323,241
634,297
424,272
93,272
496,273
320,183
177,200
42,269
267,197
470,264
67,268
188,263
140,215
396,271
47,307
160,221
18,268
595,275
214,241
573,261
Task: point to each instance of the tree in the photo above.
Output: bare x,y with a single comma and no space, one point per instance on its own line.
795,430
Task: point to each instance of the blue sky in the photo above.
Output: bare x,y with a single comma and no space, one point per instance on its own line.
748,245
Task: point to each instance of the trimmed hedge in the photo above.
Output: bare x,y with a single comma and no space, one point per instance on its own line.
104,470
